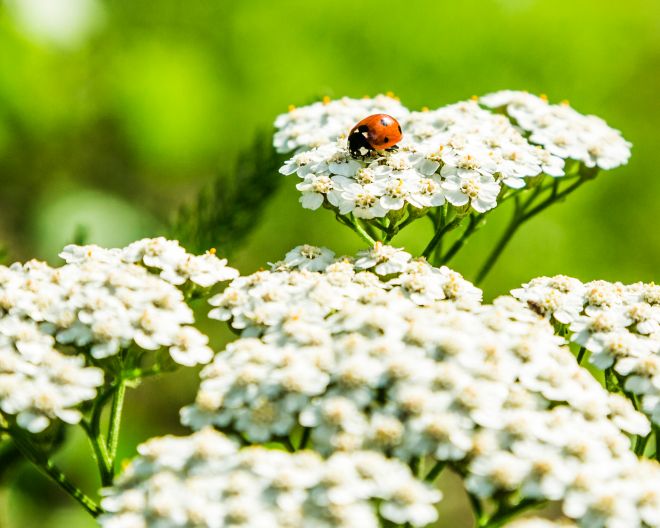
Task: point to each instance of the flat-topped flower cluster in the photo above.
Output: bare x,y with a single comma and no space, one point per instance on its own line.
206,480
165,258
463,154
37,382
99,309
386,353
618,324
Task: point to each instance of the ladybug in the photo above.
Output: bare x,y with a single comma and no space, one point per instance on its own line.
375,132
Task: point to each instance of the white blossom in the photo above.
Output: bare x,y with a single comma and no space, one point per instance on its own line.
326,121
616,323
563,131
421,375
103,303
205,479
166,257
39,384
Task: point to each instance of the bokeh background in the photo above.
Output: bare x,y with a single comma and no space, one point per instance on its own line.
115,114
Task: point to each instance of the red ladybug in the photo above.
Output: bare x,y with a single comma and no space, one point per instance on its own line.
376,132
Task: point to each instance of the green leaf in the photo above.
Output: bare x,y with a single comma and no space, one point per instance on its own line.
223,214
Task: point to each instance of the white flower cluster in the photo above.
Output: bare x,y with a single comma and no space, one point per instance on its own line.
618,324
326,121
38,384
461,154
292,302
205,480
165,257
104,306
489,389
563,131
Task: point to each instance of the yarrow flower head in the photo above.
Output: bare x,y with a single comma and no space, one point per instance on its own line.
464,154
206,480
165,257
490,389
39,384
288,301
563,131
104,305
326,121
618,324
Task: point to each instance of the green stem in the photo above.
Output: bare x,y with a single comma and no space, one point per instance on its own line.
522,215
554,197
100,451
9,455
92,429
640,444
304,439
56,475
357,228
477,509
502,515
115,422
286,442
581,354
438,236
414,465
497,251
435,471
458,244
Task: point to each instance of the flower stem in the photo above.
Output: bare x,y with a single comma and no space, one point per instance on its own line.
503,514
100,451
474,224
435,471
640,444
439,234
355,226
92,429
497,251
55,474
115,422
522,215
477,509
304,439
581,354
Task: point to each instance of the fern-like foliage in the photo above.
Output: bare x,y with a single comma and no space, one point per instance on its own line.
223,214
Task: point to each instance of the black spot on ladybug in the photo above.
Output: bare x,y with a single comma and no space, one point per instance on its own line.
384,122
385,140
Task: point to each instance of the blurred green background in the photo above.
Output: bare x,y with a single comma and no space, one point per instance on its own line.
113,114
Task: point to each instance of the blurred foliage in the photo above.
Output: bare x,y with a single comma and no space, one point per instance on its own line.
223,214
113,115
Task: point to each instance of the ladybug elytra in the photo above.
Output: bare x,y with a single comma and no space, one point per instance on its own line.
375,132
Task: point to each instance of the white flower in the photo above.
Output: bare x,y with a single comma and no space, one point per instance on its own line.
616,323
204,479
324,122
461,153
101,301
563,131
308,257
479,190
38,384
385,260
409,363
167,257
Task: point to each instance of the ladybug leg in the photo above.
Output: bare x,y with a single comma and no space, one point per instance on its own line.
393,148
